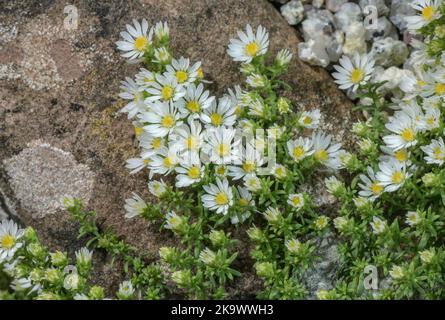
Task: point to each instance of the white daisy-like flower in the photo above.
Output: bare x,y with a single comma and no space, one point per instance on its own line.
194,101
279,171
220,114
244,197
252,182
10,235
164,162
370,187
166,89
145,78
429,11
249,45
378,225
219,196
404,132
353,73
310,119
222,145
293,245
413,218
432,118
321,222
435,152
162,56
249,160
131,91
326,152
150,145
183,71
174,221
296,200
162,119
401,155
300,148
84,256
134,206
136,40
187,138
157,188
126,290
236,98
137,164
221,171
162,31
189,171
392,175
283,57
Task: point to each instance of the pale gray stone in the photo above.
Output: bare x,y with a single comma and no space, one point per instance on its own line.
399,10
317,3
318,25
334,5
347,14
293,12
384,29
388,52
313,52
382,9
355,41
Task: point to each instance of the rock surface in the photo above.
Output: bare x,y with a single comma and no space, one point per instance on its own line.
60,87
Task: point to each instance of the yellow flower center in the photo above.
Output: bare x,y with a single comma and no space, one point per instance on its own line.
156,143
138,131
428,13
216,119
167,93
243,202
307,120
438,153
223,149
376,188
140,43
401,155
296,201
146,161
280,171
221,171
440,88
252,49
194,106
298,152
181,76
194,173
190,143
7,241
221,199
421,83
200,73
168,121
321,155
408,134
357,75
397,177
248,167
168,163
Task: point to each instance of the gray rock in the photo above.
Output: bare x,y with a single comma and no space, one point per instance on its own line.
388,52
355,41
313,52
384,29
318,25
399,10
317,3
334,47
334,5
347,14
382,9
293,12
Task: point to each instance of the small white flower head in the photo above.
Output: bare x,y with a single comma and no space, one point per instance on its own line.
249,160
324,151
71,281
300,148
136,40
221,171
361,202
370,187
10,235
236,96
283,58
220,114
174,221
333,185
219,196
244,197
413,218
126,290
136,164
256,108
157,188
397,272
351,73
252,183
310,119
165,89
401,155
221,145
162,31
207,256
428,11
130,90
426,256
162,56
404,131
134,206
432,118
187,138
249,45
161,120
293,246
283,105
256,80
272,215
279,171
189,171
84,256
296,200
321,222
183,71
378,225
67,201
144,78
150,145
164,162
366,145
392,175
435,152
340,223
194,101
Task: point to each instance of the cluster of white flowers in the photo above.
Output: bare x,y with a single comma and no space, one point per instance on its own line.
183,130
